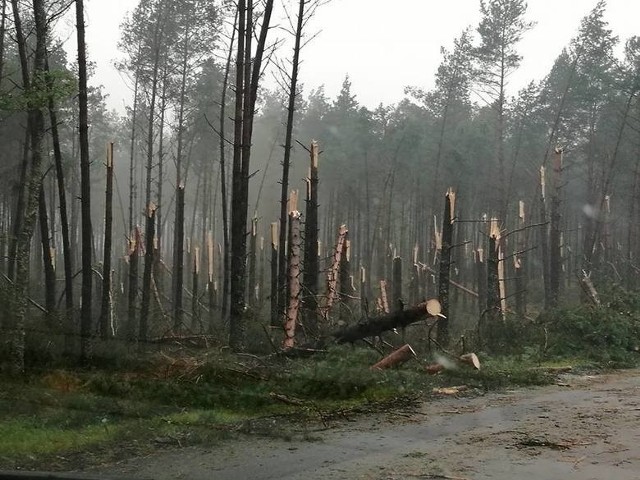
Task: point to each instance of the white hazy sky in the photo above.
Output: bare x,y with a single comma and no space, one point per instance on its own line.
384,45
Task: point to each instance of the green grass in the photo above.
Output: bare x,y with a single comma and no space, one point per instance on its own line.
32,437
109,413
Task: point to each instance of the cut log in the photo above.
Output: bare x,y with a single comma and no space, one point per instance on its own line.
471,359
434,368
396,358
449,390
373,327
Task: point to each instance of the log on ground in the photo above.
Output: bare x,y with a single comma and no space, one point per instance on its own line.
377,325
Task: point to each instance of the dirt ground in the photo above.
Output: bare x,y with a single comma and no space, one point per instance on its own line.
584,427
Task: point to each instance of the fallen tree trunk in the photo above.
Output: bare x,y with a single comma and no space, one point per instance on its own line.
396,358
375,326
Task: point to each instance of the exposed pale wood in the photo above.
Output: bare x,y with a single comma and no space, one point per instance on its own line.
396,358
471,359
384,302
332,276
589,289
293,284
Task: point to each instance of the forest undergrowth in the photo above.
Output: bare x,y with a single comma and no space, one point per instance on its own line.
58,417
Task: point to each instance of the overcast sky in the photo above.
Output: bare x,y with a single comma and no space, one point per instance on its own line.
384,45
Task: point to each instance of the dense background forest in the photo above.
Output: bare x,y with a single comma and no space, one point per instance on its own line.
220,211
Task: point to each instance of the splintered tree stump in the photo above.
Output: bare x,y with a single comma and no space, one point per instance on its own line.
396,358
373,327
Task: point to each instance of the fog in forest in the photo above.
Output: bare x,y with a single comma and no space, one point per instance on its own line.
515,198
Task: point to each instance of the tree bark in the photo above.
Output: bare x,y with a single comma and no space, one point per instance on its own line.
143,332
132,294
226,265
106,325
64,220
293,284
376,325
238,218
246,96
396,358
288,146
85,190
47,260
35,125
311,268
445,266
178,251
555,260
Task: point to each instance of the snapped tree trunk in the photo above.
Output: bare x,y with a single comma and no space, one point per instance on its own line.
196,324
143,332
555,260
445,265
293,284
345,280
253,260
106,324
275,317
332,275
311,267
132,295
178,261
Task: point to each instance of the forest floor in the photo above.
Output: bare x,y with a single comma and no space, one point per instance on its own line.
582,427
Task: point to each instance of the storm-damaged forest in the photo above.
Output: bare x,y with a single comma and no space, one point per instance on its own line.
222,213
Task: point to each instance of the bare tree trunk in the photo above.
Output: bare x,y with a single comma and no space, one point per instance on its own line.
311,269
143,332
195,304
294,289
85,189
288,145
226,265
3,23
47,260
238,225
132,294
345,279
35,125
520,265
178,231
544,240
18,218
178,250
253,259
555,260
274,276
106,325
64,220
445,266
246,96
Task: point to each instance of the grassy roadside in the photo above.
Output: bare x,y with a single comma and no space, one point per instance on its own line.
70,419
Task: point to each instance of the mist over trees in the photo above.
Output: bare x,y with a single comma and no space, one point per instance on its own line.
500,204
